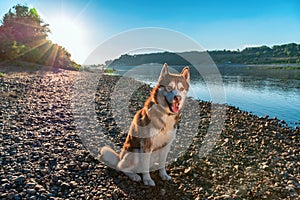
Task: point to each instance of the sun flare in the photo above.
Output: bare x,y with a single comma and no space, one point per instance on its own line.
69,34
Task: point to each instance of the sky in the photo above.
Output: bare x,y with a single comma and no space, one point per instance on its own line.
82,26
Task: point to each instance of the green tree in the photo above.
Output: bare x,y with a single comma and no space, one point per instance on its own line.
23,36
25,24
21,29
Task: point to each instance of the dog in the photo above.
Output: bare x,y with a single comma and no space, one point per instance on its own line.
152,130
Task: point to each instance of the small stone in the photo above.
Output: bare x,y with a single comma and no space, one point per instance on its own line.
84,165
30,185
225,196
162,191
30,191
265,166
6,181
39,187
236,167
10,195
20,179
187,170
58,150
73,184
241,191
6,186
248,168
17,197
64,186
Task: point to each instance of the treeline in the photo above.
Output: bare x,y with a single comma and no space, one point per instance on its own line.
135,60
24,37
278,54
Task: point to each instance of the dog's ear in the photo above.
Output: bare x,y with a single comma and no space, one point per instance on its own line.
186,74
164,72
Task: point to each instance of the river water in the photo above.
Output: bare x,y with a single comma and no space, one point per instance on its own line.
261,90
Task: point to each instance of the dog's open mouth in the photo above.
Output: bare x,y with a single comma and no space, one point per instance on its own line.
174,106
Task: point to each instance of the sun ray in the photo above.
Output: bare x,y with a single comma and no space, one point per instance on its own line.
43,49
52,57
33,46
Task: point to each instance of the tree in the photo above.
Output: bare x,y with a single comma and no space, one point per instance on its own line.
23,36
25,24
21,30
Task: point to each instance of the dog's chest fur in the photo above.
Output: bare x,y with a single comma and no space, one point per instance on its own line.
162,137
151,130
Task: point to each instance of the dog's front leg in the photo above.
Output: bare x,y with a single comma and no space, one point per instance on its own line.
145,158
162,162
145,163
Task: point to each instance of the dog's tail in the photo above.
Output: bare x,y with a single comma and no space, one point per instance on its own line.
109,156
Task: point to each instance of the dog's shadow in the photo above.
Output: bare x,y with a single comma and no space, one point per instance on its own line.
137,190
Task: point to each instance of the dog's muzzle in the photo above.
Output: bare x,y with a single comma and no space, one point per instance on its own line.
173,100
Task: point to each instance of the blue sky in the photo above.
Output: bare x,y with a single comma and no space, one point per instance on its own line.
81,25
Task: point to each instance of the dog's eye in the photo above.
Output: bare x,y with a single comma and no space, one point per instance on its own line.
169,88
181,89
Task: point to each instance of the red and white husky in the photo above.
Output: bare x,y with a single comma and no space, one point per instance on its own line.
152,130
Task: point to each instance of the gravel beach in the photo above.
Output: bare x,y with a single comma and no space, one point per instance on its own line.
43,156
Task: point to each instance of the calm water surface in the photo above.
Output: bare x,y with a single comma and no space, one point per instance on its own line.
259,90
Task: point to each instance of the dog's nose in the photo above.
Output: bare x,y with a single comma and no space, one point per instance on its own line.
177,98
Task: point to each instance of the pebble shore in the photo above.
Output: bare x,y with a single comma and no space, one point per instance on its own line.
43,157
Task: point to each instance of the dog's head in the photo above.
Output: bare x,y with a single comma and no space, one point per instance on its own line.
172,89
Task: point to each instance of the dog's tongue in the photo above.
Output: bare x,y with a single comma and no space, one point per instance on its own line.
175,107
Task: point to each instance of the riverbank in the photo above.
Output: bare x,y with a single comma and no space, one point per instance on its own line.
42,155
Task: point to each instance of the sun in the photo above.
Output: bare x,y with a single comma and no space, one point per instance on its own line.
69,34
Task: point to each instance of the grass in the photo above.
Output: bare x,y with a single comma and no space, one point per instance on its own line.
2,74
109,71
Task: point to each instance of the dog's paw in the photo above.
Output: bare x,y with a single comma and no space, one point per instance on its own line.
149,182
165,177
134,177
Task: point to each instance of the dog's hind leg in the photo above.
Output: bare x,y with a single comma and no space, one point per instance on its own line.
128,164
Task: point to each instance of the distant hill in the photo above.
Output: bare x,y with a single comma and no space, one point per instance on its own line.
278,54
